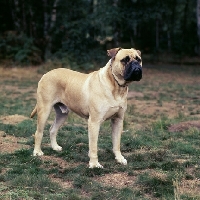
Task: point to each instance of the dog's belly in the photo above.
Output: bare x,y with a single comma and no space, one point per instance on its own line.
65,109
77,108
81,113
109,113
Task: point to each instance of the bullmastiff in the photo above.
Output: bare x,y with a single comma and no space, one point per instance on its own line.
96,96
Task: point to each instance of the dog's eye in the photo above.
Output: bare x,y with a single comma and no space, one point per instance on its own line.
126,59
138,59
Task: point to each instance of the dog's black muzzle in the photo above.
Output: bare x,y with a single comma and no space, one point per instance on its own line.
133,71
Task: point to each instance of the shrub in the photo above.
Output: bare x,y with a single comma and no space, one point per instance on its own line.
19,48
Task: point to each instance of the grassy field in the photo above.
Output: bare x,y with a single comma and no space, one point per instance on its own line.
161,141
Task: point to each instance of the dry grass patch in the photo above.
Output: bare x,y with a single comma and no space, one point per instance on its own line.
183,126
62,165
9,144
117,180
190,187
152,108
58,162
19,73
13,119
66,184
133,94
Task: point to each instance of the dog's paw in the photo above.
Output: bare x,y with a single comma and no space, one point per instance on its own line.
38,153
121,160
95,165
57,148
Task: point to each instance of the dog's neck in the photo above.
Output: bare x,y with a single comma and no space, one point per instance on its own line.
107,79
115,77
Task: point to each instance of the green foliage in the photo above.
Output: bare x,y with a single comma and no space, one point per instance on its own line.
78,32
19,48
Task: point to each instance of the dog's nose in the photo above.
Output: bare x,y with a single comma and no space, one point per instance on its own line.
137,70
137,74
133,72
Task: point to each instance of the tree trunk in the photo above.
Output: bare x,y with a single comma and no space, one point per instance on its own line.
157,34
53,14
169,43
116,29
16,20
46,21
48,25
198,25
95,5
173,22
24,17
47,52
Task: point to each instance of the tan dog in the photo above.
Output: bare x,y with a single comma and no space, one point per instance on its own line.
97,96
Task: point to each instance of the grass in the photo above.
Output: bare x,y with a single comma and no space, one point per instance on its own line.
161,164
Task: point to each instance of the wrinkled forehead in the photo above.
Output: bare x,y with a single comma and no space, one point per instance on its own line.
132,53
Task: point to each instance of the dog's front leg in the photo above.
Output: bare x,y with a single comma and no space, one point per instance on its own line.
117,127
93,133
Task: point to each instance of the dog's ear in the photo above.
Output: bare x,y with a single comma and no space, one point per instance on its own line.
139,52
113,52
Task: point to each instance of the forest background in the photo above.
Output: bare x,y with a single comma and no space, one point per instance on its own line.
78,32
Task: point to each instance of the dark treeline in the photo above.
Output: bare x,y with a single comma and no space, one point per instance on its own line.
33,31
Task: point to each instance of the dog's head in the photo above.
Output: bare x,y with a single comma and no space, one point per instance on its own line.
126,64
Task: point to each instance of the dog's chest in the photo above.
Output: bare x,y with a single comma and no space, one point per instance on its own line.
114,110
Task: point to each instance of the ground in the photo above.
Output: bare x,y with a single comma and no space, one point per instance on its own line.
163,94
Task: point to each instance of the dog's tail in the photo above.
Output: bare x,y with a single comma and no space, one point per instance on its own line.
34,111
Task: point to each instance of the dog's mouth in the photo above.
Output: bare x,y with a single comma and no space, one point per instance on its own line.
133,71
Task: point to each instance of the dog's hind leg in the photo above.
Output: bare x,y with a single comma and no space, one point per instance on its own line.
43,112
61,115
